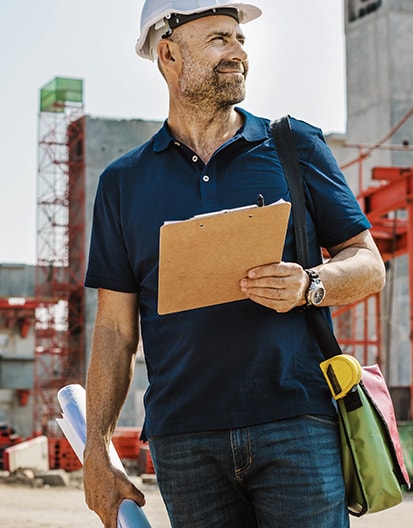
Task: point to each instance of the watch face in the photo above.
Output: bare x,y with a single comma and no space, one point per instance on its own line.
318,295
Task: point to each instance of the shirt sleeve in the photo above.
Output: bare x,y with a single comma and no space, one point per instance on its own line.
109,265
336,212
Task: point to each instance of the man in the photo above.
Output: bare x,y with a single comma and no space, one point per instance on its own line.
239,419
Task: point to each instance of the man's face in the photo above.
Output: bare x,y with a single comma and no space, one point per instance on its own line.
214,62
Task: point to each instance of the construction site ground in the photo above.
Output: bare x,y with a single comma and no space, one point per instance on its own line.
64,507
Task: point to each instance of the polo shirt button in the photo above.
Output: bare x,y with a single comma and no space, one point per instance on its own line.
205,178
194,159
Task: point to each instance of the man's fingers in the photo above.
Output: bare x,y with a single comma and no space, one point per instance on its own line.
279,269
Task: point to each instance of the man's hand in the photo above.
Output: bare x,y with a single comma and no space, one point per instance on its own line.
105,487
280,286
354,271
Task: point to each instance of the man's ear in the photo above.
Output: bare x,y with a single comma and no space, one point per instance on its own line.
167,51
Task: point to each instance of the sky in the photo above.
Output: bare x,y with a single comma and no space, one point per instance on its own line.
297,66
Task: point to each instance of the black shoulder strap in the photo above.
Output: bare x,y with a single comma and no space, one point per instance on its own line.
287,152
285,145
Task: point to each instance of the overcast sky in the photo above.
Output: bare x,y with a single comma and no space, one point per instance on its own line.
297,66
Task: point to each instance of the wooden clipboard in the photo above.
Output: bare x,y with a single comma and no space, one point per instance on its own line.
203,259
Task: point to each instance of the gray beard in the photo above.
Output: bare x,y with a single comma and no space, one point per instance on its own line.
211,89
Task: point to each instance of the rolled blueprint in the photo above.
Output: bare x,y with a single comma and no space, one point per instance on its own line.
72,399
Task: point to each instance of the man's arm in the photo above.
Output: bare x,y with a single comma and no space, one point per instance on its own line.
354,271
114,345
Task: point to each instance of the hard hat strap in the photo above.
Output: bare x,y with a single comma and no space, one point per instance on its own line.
176,19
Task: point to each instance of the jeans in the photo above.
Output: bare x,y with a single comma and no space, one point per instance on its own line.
285,474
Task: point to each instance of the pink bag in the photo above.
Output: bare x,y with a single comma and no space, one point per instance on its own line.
376,386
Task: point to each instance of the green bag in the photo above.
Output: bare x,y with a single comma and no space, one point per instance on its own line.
373,464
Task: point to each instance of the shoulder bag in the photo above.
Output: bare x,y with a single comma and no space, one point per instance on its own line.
372,458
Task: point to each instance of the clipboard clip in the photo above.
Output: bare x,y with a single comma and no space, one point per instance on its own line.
260,200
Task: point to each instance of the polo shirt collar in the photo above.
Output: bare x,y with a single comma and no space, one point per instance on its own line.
254,129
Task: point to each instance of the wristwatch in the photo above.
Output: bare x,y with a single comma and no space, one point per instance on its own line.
316,291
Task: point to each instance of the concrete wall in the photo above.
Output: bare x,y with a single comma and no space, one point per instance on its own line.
106,140
16,350
17,280
379,77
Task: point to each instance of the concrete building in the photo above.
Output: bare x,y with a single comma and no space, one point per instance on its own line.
16,346
106,140
379,40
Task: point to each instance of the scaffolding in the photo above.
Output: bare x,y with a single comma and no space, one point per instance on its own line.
59,325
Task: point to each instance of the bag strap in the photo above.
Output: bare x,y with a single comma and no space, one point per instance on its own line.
287,152
285,145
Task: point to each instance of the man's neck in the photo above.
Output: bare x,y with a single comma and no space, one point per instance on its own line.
204,131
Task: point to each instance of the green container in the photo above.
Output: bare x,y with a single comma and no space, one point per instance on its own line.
55,95
406,439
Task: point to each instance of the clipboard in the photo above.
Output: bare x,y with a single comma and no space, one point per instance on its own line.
203,259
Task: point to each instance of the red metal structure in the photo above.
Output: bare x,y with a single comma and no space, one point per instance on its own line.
388,203
17,311
358,329
390,210
389,207
59,343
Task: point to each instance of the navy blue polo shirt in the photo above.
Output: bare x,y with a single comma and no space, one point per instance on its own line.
239,363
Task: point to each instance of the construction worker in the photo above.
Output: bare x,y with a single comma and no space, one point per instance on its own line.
239,418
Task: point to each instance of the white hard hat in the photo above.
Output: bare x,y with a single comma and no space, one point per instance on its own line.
156,15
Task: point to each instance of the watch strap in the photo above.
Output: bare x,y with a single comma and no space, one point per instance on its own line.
314,280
